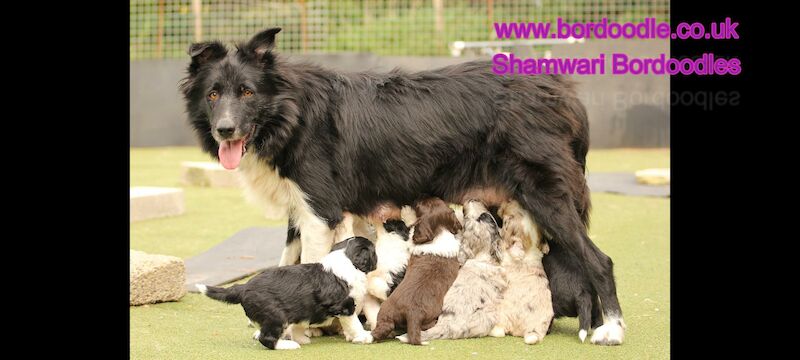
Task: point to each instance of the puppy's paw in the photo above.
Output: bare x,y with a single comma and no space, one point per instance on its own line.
256,334
403,338
313,332
364,337
302,340
532,338
286,345
497,332
250,323
611,333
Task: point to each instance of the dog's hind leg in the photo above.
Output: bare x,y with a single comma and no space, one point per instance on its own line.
544,194
270,334
584,305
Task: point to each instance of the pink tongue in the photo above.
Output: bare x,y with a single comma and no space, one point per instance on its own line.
230,153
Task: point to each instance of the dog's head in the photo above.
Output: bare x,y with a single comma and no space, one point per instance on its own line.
233,99
398,227
361,253
520,233
481,232
433,214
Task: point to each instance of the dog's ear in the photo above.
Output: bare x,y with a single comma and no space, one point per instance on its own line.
428,224
361,253
263,42
496,245
544,247
205,52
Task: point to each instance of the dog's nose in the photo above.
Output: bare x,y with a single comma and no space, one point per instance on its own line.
226,131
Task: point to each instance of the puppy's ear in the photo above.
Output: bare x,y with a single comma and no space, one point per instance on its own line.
544,247
450,220
428,225
496,246
204,53
362,253
424,230
263,42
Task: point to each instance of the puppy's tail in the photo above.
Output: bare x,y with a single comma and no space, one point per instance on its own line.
231,295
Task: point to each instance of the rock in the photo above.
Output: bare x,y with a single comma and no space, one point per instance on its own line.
653,176
209,174
155,278
155,202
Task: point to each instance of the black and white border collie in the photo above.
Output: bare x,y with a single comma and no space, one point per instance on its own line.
319,142
305,295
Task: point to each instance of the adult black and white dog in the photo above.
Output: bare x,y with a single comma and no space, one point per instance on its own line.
321,142
298,296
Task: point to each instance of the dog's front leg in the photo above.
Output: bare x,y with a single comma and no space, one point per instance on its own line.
353,331
371,308
316,239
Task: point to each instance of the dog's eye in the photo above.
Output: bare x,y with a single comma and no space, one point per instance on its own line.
247,93
213,96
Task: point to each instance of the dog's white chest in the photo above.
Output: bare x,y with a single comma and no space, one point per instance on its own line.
264,187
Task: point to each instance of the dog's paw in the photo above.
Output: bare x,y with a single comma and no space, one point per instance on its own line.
497,332
250,323
286,345
403,338
611,333
364,337
256,334
302,340
582,335
532,338
313,332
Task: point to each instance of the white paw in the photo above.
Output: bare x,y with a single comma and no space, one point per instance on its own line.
363,338
403,338
532,338
582,335
250,323
497,332
610,333
286,345
256,334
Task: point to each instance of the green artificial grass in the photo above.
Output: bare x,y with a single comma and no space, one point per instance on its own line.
634,231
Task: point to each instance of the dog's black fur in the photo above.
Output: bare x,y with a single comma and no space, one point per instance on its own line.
571,288
291,294
352,141
362,255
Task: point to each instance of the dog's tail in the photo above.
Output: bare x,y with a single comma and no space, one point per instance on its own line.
231,295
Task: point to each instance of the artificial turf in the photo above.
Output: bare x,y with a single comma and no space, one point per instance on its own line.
634,231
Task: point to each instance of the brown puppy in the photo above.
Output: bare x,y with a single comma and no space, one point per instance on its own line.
417,302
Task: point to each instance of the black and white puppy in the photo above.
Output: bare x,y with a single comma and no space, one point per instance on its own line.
393,249
306,295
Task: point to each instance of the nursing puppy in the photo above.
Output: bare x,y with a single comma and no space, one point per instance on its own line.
471,305
393,249
527,307
417,302
305,295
